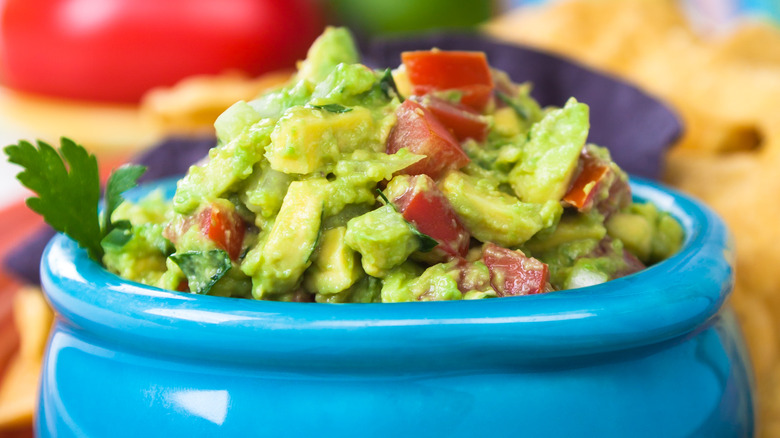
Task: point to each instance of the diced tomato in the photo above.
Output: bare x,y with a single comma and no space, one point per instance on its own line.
593,176
419,131
463,121
221,225
586,183
633,264
512,273
224,227
435,70
183,286
426,208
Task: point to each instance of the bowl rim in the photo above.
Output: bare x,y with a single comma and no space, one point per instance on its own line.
665,301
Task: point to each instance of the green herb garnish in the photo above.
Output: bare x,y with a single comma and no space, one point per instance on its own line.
333,108
388,86
121,180
68,187
519,109
427,243
119,235
203,269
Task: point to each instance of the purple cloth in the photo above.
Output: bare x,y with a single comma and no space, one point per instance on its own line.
635,127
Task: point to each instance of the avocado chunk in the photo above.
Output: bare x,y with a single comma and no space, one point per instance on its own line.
570,228
649,234
333,47
336,266
454,280
343,83
278,261
493,216
383,238
264,193
549,159
395,285
366,290
438,283
228,164
588,272
235,120
357,174
635,231
306,138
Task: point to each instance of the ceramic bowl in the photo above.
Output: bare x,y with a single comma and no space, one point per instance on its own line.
654,354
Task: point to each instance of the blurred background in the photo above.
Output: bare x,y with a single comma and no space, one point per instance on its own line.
121,75
84,68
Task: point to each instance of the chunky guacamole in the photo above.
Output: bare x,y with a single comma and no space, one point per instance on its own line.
439,180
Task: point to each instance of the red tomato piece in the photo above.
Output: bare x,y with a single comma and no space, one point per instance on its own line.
463,121
633,264
586,184
116,50
435,70
424,205
183,286
593,176
419,131
512,273
224,227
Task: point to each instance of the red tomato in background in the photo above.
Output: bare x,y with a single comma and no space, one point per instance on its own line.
116,50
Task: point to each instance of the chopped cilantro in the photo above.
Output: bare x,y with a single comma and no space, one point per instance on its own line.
388,86
121,180
519,109
202,268
333,108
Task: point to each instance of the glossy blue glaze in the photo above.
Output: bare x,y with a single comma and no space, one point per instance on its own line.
652,354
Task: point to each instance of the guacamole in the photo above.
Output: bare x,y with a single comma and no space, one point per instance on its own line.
439,180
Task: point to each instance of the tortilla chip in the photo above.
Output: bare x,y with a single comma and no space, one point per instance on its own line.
192,105
18,393
726,88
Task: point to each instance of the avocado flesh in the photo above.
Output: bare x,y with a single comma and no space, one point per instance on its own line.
278,261
549,159
335,267
383,238
494,216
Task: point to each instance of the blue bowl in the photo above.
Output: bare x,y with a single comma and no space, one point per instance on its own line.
657,353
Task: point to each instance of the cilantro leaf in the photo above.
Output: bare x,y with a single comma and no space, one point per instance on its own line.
119,235
203,268
427,243
388,86
68,188
333,108
384,198
519,109
122,179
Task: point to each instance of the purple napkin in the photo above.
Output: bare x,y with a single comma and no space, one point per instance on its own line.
635,127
